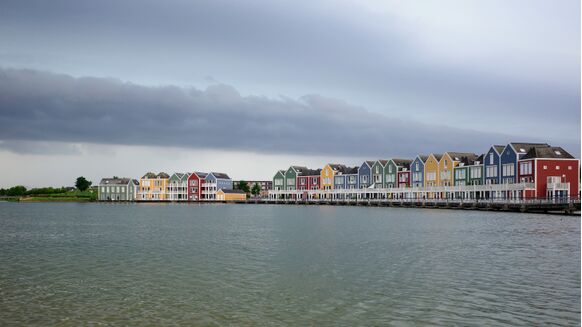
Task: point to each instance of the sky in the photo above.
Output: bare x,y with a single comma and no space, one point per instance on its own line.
114,87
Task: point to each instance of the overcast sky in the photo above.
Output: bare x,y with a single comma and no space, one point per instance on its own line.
112,87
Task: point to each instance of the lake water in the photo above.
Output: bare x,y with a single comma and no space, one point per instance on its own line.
96,264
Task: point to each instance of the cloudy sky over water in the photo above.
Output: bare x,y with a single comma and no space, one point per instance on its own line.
101,88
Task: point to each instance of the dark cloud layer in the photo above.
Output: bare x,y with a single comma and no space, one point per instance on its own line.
42,106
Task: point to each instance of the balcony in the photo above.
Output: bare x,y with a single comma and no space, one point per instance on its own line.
559,186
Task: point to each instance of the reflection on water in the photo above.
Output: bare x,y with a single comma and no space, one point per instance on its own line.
189,264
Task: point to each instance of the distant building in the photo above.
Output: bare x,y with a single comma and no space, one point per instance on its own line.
552,171
195,184
177,188
152,187
230,195
117,189
214,182
510,156
264,185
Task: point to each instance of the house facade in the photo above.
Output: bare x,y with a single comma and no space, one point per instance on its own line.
553,172
469,171
447,165
492,165
230,195
431,170
328,174
398,173
177,188
195,184
510,157
417,171
153,187
378,178
279,180
117,189
347,179
365,174
291,177
214,182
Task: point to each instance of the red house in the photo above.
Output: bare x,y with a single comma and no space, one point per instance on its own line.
404,178
308,179
552,171
195,183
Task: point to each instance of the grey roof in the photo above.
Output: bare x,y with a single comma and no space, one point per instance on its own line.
220,175
149,175
525,147
552,152
310,172
499,148
383,162
402,162
298,169
135,181
369,162
423,157
337,167
116,181
462,156
438,156
352,170
233,191
163,175
200,174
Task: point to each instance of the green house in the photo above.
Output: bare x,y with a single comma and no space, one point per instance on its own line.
469,171
291,176
378,169
279,180
117,189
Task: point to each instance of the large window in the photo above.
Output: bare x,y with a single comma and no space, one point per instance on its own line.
525,168
364,178
491,171
290,181
377,178
460,174
475,172
508,169
431,176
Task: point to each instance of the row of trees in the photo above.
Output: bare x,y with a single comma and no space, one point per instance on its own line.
82,184
244,186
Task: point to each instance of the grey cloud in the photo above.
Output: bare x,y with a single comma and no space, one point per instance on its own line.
43,106
40,147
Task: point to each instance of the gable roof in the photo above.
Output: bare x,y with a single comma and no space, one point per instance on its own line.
116,181
220,175
199,174
525,147
383,162
310,172
282,172
422,157
162,175
149,175
498,148
462,156
402,162
297,169
352,170
437,156
337,167
551,152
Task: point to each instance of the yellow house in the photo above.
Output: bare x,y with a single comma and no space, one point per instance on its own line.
152,187
328,173
230,195
431,170
447,164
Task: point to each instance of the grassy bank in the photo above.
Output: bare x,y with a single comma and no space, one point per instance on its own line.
73,196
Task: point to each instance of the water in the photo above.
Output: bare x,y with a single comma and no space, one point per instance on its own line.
229,265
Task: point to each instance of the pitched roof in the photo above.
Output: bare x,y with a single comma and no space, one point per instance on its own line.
462,156
298,169
438,156
200,174
422,157
115,181
499,148
383,162
220,175
402,162
352,170
149,175
525,147
162,175
310,172
338,167
553,152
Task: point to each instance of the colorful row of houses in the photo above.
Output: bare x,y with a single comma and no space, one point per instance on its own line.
196,186
544,171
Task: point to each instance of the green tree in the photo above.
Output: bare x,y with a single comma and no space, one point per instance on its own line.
256,190
16,191
244,186
82,184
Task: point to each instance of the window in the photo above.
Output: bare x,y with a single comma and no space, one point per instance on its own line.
123,189
431,176
460,174
416,165
377,170
491,171
390,178
352,179
508,169
525,168
302,181
475,172
290,181
557,167
364,178
545,167
569,167
390,168
339,180
377,178
491,158
102,188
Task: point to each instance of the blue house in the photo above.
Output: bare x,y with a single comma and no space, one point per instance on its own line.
510,157
346,179
365,174
213,183
417,171
492,165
